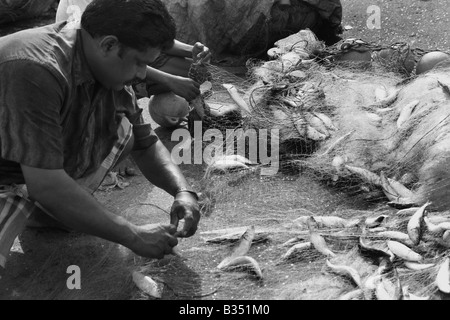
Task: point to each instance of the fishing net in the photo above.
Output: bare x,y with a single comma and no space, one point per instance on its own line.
13,10
356,139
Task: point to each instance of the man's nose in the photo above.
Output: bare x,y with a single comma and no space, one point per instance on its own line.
142,73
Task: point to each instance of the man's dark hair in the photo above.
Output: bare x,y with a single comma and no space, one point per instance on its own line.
138,24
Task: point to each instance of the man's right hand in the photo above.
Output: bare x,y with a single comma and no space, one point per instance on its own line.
184,87
154,240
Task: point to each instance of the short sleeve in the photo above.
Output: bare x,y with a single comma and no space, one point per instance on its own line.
144,135
30,102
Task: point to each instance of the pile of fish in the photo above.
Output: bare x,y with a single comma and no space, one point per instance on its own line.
392,251
227,163
396,192
310,124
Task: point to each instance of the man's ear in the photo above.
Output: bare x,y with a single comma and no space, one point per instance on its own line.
109,44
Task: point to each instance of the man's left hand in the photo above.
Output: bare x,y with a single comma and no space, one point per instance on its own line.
201,53
185,207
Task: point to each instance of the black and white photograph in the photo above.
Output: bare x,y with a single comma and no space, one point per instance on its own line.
224,158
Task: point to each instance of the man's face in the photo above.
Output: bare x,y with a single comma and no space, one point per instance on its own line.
121,68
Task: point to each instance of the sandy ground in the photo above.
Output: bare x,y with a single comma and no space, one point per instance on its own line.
423,24
38,264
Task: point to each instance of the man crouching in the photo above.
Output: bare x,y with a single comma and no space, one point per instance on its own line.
68,114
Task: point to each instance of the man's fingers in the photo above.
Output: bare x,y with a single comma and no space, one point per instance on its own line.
172,229
180,234
173,241
174,220
186,232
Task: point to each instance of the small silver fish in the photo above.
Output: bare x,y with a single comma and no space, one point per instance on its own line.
317,240
346,271
416,224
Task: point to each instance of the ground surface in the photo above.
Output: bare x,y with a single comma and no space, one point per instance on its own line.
40,258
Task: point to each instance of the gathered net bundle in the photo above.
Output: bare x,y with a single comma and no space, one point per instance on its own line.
350,133
13,10
332,114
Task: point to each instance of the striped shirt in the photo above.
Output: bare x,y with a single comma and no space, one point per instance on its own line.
53,113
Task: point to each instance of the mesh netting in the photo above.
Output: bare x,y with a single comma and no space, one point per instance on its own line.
355,139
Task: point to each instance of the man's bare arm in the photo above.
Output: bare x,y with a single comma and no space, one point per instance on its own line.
73,206
156,164
164,82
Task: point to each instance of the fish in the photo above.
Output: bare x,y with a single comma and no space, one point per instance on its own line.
390,99
147,285
443,277
245,243
323,221
290,59
373,222
374,249
242,248
365,175
317,240
243,262
352,295
346,271
298,75
338,163
409,296
290,103
292,241
383,111
377,229
295,250
406,112
380,93
407,212
221,109
325,120
394,190
415,225
205,87
233,158
418,266
402,251
233,92
336,143
374,118
310,127
384,289
436,229
315,135
238,259
235,237
395,235
372,281
224,166
402,203
446,239
398,292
